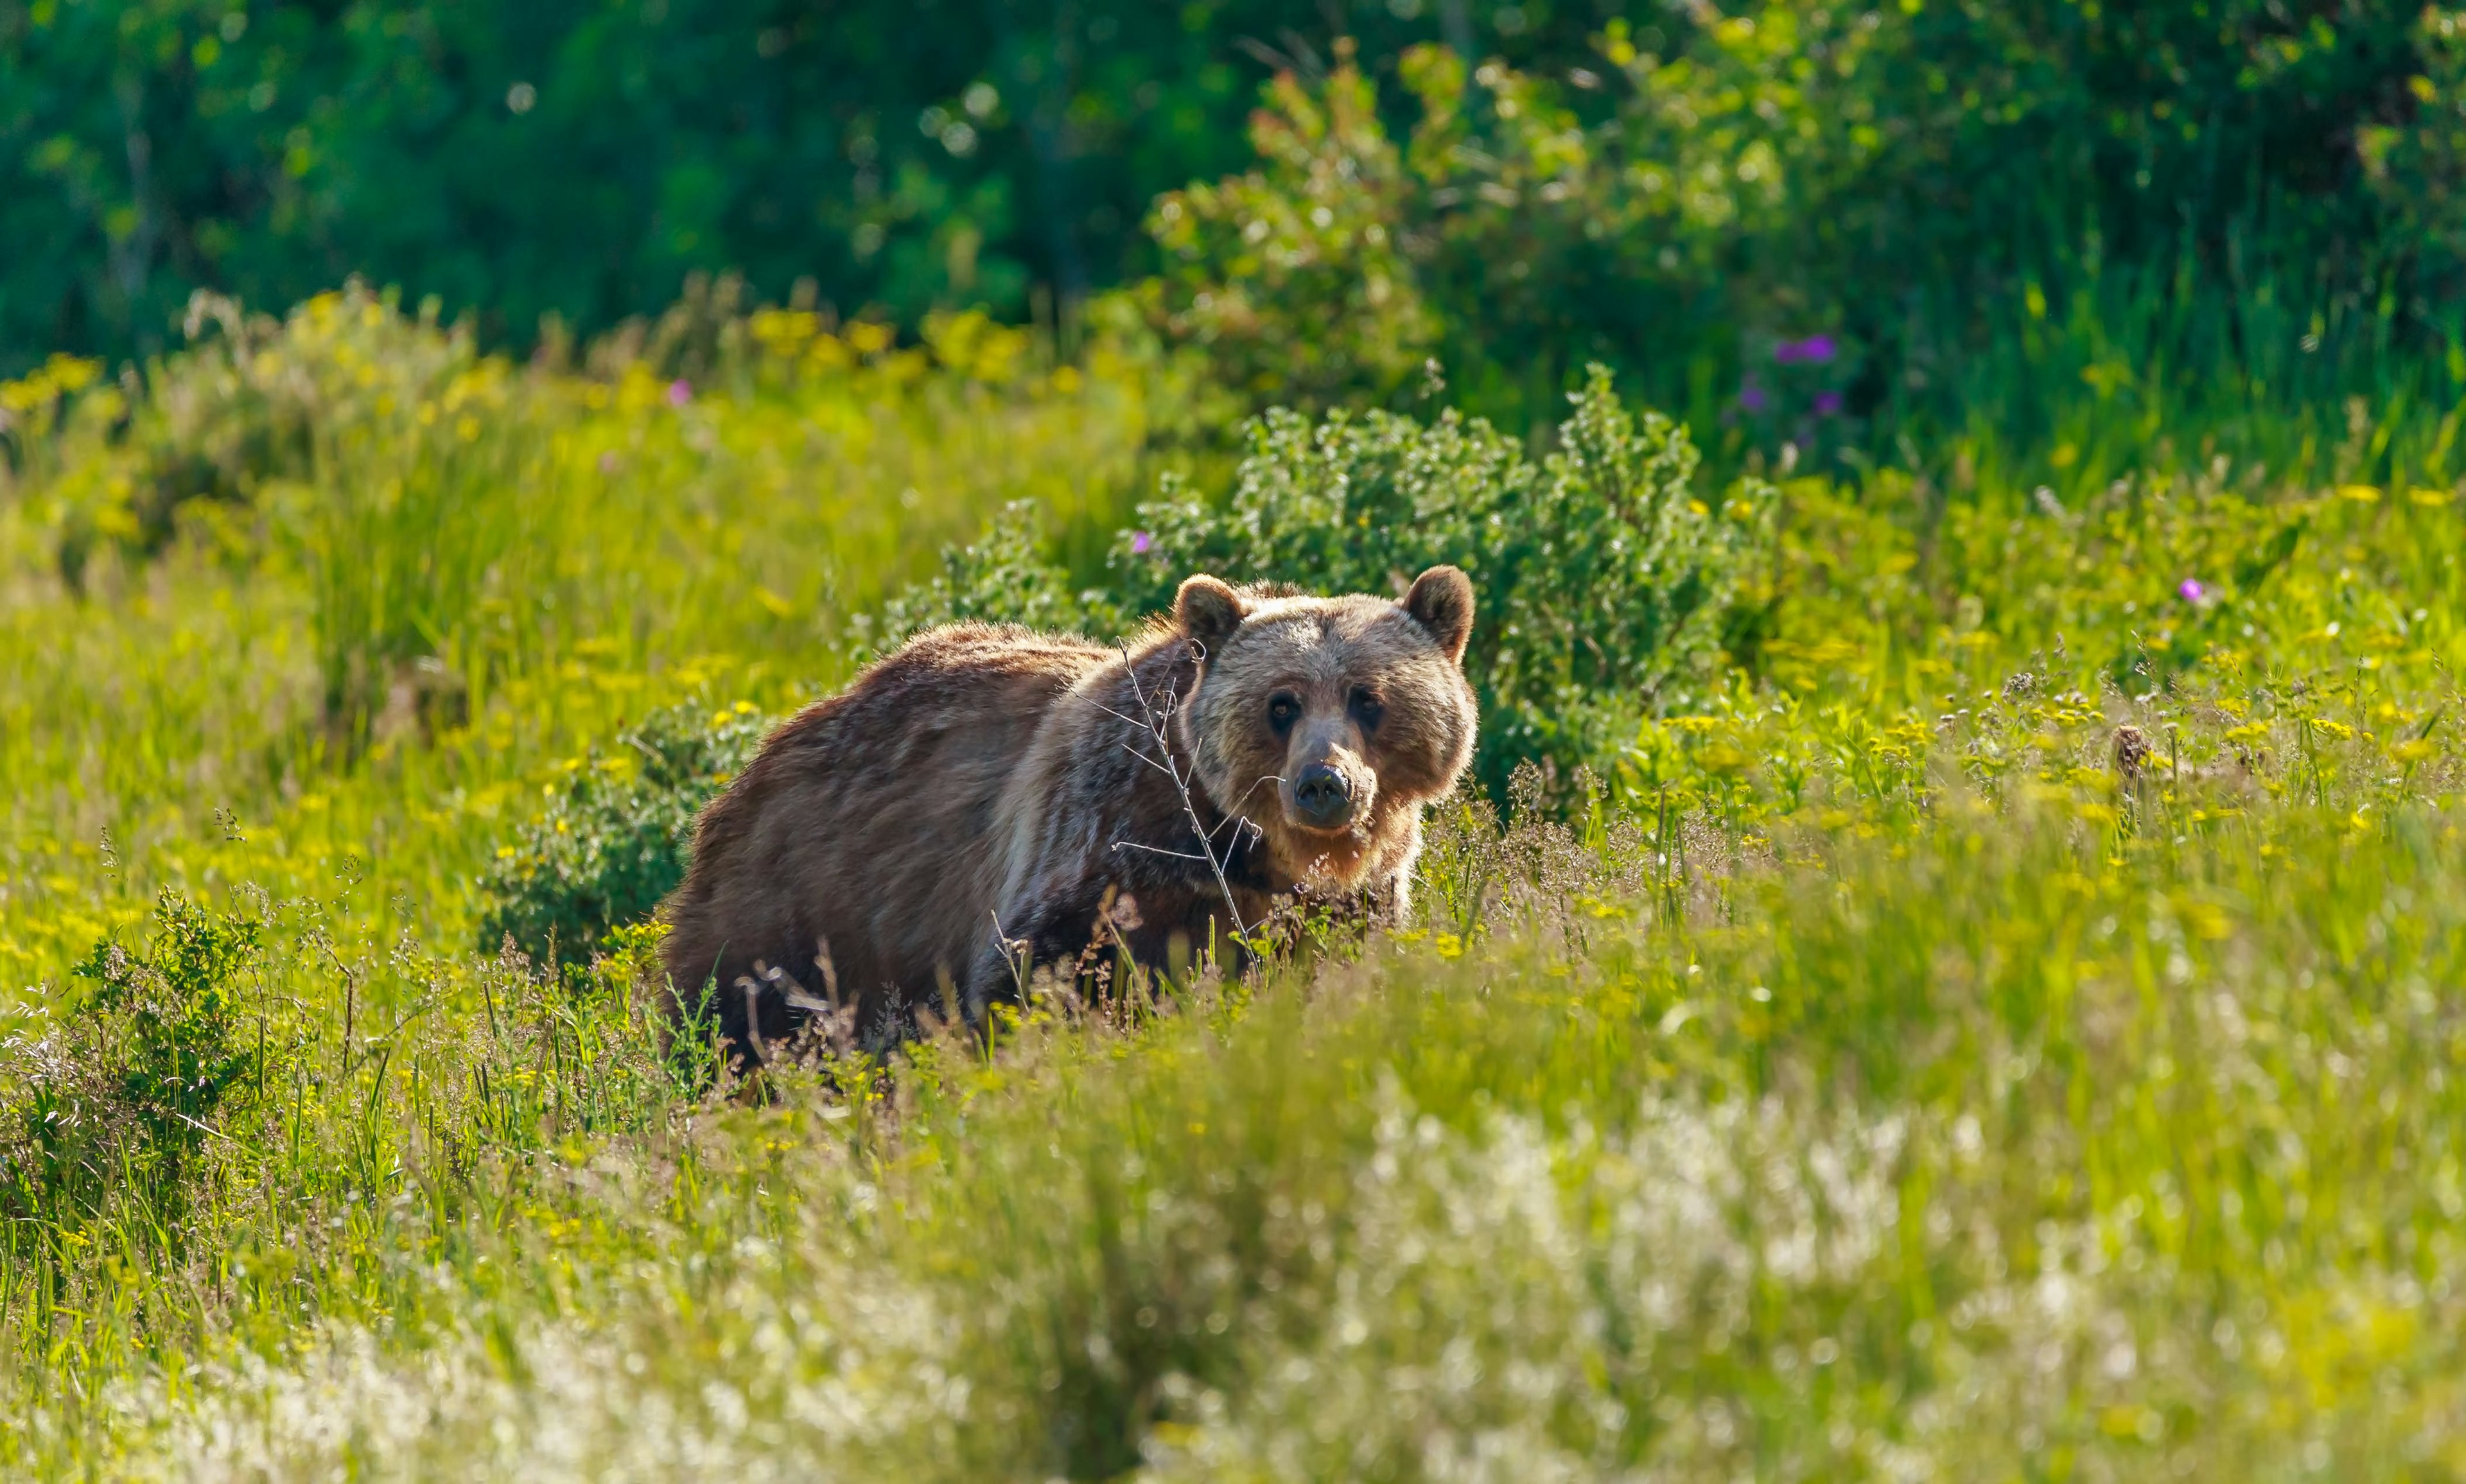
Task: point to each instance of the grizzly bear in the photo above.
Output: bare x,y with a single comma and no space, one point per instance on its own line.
973,806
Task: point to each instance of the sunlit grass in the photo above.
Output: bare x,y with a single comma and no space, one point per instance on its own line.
255,704
2011,1029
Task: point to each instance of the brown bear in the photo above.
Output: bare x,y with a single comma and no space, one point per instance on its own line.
971,805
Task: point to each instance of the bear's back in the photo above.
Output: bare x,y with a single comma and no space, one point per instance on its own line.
863,824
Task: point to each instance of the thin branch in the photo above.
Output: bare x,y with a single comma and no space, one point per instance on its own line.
200,1127
1131,720
1178,855
754,1014
1152,763
1015,954
1233,819
1159,725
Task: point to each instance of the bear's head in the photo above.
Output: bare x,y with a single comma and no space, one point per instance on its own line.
1328,722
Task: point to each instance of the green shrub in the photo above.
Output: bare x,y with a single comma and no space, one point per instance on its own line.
1680,192
1006,577
1606,583
2418,166
613,838
111,1108
1321,223
1797,221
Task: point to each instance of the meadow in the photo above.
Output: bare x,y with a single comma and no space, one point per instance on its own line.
1986,1009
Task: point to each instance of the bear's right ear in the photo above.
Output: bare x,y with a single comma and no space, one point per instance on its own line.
1440,601
1208,610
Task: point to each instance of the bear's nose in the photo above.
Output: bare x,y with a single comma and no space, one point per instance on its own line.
1323,796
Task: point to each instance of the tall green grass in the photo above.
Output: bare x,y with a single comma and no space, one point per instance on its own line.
2007,1028
2095,373
452,575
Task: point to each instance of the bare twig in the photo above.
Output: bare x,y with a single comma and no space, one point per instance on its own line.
1233,819
1158,724
830,969
753,1015
829,1021
1014,955
1178,855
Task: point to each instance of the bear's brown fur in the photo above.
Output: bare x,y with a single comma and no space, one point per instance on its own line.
986,775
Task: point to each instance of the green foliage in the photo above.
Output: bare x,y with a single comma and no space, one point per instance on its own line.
1006,575
1605,584
109,1110
615,834
1794,221
572,159
1320,224
2000,1031
2418,166
2252,205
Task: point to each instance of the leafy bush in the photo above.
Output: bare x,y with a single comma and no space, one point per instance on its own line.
111,1108
1323,223
1607,584
1709,194
615,835
1671,190
563,157
1005,577
2418,166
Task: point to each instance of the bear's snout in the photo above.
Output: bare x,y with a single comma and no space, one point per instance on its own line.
1323,797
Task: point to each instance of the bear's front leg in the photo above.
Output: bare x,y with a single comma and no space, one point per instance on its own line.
1045,923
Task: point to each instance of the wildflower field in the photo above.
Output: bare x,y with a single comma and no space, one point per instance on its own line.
1929,982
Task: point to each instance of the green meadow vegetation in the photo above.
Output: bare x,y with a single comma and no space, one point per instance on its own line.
1948,963
1988,1008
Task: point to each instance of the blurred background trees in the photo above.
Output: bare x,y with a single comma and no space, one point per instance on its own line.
578,157
1791,218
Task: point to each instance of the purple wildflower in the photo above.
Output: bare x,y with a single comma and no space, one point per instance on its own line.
1141,541
680,392
2191,591
1753,397
1827,404
1813,350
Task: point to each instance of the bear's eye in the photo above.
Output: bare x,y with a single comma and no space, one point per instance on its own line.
1367,709
1284,709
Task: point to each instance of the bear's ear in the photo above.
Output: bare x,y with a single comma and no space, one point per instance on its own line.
1440,601
1208,610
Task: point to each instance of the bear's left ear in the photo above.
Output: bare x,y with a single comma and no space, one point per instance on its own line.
1440,601
1208,610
